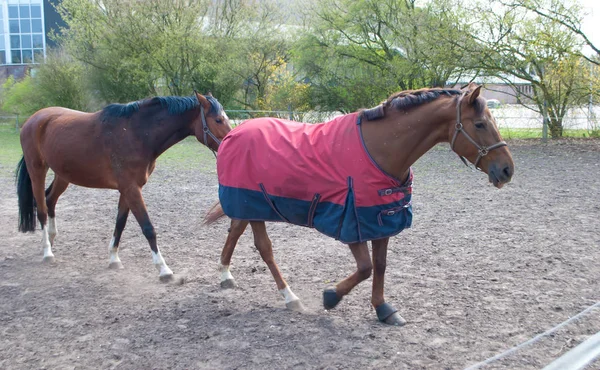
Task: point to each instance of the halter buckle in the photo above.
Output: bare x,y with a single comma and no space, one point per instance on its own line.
458,126
483,152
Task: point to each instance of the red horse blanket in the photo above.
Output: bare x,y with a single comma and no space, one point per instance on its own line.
315,175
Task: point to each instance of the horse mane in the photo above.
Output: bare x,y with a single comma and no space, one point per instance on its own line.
404,100
173,104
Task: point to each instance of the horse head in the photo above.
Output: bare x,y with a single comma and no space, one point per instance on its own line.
474,136
212,124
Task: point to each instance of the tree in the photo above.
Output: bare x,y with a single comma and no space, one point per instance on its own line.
567,14
382,46
513,43
136,49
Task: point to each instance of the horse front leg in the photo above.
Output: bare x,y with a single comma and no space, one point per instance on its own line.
332,296
265,248
385,312
133,197
235,231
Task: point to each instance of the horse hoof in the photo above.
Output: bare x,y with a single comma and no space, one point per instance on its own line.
330,298
228,284
115,266
295,306
48,259
395,319
166,278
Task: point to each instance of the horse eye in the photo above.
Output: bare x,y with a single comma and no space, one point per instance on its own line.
219,121
479,125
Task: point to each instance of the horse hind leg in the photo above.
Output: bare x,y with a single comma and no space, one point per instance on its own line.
235,231
56,188
113,248
265,248
37,172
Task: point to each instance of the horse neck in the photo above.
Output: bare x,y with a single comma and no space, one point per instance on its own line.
397,140
175,129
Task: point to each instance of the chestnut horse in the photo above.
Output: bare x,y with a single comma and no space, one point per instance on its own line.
380,145
114,148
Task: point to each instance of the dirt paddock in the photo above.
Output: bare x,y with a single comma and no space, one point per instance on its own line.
480,271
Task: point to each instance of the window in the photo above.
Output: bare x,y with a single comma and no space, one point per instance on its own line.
25,33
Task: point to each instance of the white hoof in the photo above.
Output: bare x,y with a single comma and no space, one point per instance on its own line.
295,306
49,259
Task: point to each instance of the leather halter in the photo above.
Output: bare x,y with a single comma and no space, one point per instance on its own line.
483,150
207,132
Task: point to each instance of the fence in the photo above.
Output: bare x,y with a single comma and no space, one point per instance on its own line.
7,120
519,117
507,116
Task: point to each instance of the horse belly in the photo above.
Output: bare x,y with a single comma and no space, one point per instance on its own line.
81,168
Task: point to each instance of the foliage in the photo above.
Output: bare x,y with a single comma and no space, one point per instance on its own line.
567,14
381,47
18,97
342,55
523,46
283,92
136,49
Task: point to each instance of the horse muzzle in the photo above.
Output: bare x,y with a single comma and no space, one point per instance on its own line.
500,174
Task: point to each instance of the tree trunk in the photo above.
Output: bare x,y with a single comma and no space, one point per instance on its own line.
556,128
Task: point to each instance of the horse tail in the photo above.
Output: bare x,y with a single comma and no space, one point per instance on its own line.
27,208
49,188
214,213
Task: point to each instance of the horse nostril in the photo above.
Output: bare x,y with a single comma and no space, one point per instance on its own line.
507,171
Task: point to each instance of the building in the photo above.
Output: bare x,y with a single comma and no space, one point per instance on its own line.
25,26
508,90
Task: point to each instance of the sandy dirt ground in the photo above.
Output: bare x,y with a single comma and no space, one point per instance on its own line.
481,270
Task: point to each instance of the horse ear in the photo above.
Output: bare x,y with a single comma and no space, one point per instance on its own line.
202,100
474,94
209,94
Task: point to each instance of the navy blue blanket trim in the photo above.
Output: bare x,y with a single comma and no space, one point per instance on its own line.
270,203
347,223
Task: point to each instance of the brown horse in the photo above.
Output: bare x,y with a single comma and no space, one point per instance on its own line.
114,148
343,165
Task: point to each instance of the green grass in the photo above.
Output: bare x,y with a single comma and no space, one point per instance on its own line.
10,148
189,154
525,133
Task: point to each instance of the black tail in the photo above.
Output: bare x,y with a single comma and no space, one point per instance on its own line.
27,208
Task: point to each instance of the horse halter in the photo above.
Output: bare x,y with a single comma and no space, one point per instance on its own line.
207,132
483,151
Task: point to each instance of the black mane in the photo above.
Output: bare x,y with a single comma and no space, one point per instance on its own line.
173,104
